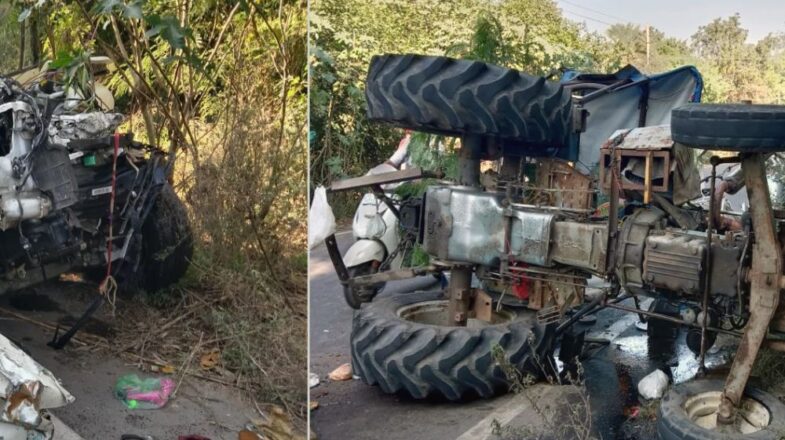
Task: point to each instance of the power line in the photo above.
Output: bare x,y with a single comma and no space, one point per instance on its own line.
587,17
596,11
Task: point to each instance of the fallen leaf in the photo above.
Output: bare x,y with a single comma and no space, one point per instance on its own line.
276,425
344,372
167,369
313,405
210,359
248,435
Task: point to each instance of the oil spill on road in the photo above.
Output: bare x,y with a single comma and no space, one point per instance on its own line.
31,301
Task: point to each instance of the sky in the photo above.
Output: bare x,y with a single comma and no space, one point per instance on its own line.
678,18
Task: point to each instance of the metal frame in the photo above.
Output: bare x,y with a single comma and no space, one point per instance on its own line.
764,276
650,156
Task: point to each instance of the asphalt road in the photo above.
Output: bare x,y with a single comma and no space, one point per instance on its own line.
200,407
352,410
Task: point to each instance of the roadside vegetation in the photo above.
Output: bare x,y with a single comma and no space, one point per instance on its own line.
220,86
534,36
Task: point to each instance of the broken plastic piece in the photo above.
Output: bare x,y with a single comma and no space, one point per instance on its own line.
313,380
138,393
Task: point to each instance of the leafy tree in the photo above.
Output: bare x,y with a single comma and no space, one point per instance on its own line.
722,45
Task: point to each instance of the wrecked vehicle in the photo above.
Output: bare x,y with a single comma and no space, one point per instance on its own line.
77,196
595,175
27,391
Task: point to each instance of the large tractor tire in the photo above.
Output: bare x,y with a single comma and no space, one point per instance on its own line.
456,97
689,412
730,127
403,344
167,242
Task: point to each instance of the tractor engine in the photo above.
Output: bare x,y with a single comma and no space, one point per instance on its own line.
536,227
510,241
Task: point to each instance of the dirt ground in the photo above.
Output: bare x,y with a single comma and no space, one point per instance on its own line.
200,407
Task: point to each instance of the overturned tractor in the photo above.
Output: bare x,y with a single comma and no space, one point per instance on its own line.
594,176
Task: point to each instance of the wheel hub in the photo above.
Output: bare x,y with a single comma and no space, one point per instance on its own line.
702,409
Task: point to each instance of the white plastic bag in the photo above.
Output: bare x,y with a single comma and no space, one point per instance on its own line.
321,220
653,385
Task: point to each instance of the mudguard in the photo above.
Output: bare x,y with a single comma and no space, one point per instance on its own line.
363,251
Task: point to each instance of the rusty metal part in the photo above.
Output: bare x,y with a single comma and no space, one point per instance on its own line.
391,275
661,159
549,315
566,187
559,290
414,173
651,144
580,245
764,290
482,306
459,293
707,275
651,138
613,219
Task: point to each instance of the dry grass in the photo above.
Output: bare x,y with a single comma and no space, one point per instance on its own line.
572,420
245,295
258,335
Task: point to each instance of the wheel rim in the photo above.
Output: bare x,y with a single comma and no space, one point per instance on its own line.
752,416
435,313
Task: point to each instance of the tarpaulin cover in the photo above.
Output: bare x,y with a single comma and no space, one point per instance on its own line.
622,107
633,100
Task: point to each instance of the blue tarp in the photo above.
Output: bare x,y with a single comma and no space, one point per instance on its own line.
634,100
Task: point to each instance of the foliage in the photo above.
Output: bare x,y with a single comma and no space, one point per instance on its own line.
529,35
220,85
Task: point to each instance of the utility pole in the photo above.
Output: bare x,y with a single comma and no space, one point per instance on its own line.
648,46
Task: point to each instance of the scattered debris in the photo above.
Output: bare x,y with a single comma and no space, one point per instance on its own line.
248,435
344,372
313,380
149,393
26,390
642,326
313,405
653,385
210,360
276,425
